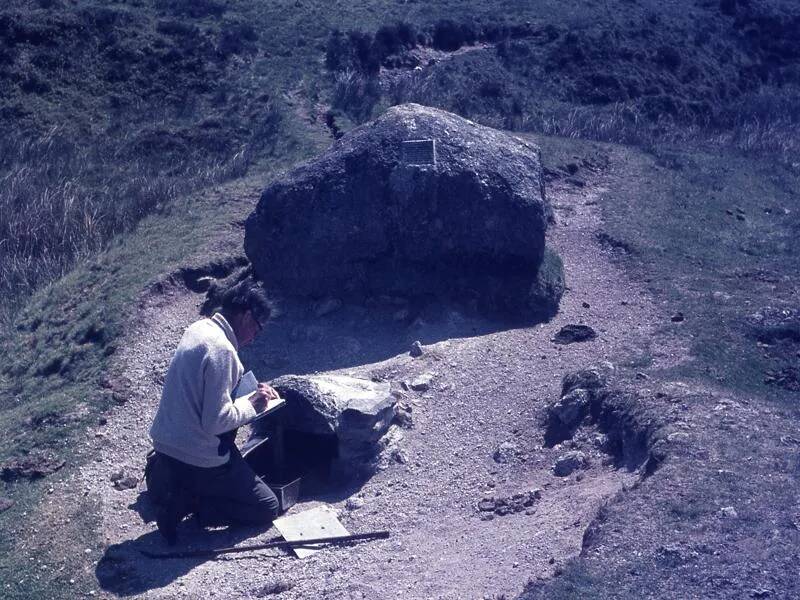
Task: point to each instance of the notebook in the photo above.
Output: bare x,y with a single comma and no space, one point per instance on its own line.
247,386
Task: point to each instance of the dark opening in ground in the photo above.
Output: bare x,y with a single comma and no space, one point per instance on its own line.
282,456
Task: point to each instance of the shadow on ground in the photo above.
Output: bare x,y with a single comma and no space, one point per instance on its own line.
125,571
305,339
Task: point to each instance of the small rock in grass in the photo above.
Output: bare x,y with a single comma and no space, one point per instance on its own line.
569,462
274,588
520,501
487,516
677,317
572,333
117,476
416,349
5,504
728,512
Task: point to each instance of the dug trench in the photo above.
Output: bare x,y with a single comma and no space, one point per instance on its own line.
470,432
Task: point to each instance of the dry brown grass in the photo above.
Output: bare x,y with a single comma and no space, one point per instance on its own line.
765,123
776,136
61,201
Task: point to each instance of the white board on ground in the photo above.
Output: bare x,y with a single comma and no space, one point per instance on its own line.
319,522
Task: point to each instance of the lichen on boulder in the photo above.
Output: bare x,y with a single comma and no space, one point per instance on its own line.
419,203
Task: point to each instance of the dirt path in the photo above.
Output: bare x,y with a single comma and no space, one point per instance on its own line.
488,389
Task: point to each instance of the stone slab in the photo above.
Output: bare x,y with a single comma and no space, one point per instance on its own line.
319,522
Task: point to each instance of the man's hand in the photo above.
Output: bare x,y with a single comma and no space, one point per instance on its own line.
263,395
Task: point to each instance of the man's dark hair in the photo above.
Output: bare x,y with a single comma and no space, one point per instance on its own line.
248,295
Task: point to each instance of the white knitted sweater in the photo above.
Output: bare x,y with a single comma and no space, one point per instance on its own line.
196,404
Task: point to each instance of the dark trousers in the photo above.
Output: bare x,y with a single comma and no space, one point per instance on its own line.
231,494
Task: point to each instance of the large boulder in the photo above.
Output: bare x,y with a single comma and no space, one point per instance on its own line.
357,411
418,203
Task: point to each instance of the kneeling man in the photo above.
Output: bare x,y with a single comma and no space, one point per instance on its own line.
196,466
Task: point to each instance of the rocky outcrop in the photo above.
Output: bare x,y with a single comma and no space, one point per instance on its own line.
569,462
631,435
418,203
357,411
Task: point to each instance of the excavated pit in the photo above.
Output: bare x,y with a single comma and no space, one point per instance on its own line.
328,435
294,464
587,402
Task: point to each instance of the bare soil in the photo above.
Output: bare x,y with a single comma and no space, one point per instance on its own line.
492,384
719,518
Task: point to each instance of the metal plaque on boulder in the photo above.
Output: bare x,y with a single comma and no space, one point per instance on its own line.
419,153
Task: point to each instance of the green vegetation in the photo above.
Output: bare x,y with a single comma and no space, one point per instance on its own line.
549,285
114,114
56,356
574,581
716,235
172,95
60,202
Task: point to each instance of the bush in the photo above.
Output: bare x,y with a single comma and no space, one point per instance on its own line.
387,41
197,9
351,52
338,54
450,36
33,84
236,38
727,7
495,32
355,94
492,88
359,51
549,286
408,34
364,51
